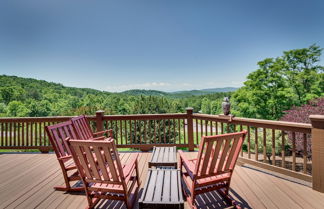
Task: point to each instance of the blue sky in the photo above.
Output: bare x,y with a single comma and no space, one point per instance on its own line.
151,44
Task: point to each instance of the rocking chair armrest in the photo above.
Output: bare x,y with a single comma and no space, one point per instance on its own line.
65,157
187,164
99,138
110,131
130,166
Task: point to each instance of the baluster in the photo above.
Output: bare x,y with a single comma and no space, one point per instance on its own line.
126,130
293,151
201,128
116,130
144,133
10,134
15,135
2,136
121,131
31,134
179,130
23,133
264,145
18,132
249,143
222,128
211,127
174,131
283,149
140,130
273,147
197,139
164,131
35,134
305,153
135,135
39,133
256,150
206,127
216,128
130,132
159,130
241,129
184,132
169,131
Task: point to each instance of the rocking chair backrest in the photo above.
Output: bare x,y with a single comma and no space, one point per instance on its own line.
97,161
218,154
82,127
57,134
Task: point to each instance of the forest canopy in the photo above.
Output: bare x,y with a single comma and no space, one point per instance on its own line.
34,98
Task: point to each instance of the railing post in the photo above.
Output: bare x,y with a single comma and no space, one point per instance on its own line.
318,151
99,120
191,144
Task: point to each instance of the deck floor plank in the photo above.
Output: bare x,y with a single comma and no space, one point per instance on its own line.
30,178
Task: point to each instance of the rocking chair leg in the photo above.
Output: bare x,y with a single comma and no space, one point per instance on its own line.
69,189
227,198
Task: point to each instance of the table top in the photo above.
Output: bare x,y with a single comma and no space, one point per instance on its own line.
163,186
163,156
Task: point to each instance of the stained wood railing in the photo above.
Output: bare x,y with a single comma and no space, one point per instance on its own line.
269,144
146,131
26,133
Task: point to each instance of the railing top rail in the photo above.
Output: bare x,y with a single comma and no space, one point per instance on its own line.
281,125
146,116
35,119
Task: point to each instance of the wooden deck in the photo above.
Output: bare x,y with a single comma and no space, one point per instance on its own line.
27,180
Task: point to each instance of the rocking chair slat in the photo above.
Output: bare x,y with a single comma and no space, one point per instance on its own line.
223,155
92,164
101,162
206,160
215,156
110,164
231,153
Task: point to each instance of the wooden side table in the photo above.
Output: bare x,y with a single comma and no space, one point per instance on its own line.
162,189
164,156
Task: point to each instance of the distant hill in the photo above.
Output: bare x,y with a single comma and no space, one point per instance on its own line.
225,89
204,91
136,92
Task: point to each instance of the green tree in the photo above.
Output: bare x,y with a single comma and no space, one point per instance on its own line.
205,106
302,71
17,109
280,83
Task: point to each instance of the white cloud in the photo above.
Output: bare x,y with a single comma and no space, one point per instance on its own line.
147,86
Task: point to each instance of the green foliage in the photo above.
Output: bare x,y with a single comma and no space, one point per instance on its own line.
17,109
33,98
280,83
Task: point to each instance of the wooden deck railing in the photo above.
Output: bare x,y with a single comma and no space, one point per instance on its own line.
269,144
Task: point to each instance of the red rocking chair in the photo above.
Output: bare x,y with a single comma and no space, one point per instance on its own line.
213,168
57,133
103,174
